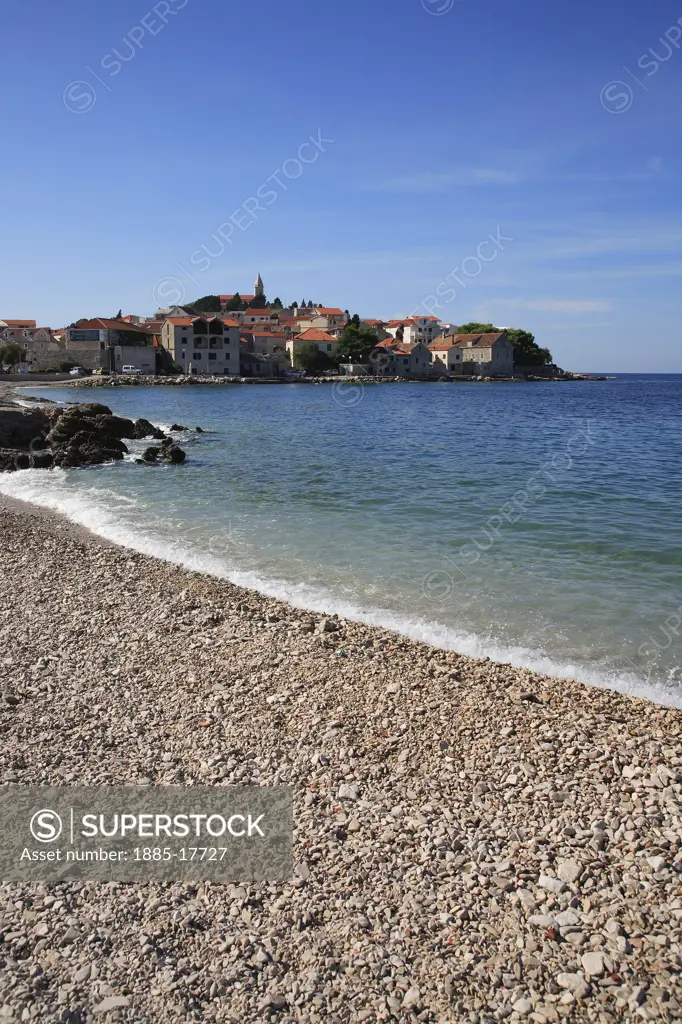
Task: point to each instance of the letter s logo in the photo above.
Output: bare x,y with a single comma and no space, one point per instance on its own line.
46,826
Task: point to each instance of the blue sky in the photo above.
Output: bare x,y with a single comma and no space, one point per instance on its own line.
135,131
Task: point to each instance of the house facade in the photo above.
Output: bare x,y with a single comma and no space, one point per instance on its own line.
203,345
400,360
103,344
325,342
485,355
270,345
415,329
446,357
41,350
330,319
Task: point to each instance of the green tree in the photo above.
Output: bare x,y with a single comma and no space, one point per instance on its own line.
259,302
235,303
526,350
206,304
309,358
277,303
11,354
474,328
356,343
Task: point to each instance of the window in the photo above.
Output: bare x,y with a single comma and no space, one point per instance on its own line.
329,347
212,355
197,355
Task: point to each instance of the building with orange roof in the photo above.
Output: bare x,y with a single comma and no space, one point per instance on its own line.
392,358
416,329
103,343
41,350
203,345
6,322
446,357
325,318
487,355
326,343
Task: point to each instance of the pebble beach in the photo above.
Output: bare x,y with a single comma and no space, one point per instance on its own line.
473,842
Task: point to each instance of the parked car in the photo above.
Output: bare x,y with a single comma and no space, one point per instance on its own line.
130,369
78,371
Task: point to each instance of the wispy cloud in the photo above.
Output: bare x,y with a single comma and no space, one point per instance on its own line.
569,307
426,182
622,273
444,181
653,168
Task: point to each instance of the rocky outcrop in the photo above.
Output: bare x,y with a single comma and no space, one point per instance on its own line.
167,452
19,428
143,428
80,435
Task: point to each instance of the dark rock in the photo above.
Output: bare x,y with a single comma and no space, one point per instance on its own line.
199,430
143,428
114,426
174,455
86,438
42,460
23,428
7,457
159,435
151,454
177,426
87,449
22,460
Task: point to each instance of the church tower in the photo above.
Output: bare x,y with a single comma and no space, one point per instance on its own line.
258,289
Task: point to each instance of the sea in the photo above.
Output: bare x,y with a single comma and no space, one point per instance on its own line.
537,524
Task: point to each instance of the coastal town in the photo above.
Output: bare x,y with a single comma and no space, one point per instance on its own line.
245,336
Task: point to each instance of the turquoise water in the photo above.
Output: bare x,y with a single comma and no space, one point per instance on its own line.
533,523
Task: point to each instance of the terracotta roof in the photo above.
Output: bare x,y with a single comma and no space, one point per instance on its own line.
180,321
244,298
409,320
19,323
476,340
99,323
314,334
329,311
387,343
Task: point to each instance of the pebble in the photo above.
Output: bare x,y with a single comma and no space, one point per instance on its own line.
112,1003
444,872
593,964
569,871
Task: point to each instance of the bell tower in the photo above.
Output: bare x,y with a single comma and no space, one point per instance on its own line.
258,289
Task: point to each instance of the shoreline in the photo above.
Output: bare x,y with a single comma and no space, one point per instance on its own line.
430,635
505,824
200,380
315,604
